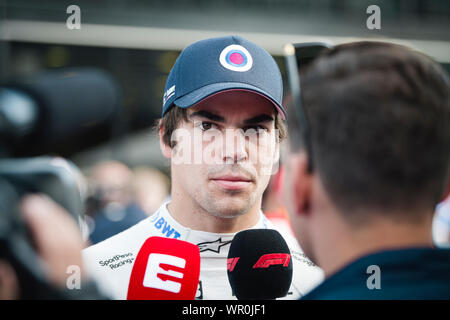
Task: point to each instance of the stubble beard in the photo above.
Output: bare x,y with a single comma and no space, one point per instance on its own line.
230,209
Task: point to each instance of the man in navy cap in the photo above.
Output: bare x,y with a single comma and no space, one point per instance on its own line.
221,127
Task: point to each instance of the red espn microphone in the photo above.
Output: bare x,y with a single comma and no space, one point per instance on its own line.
165,269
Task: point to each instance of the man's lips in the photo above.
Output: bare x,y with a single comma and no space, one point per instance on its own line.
232,182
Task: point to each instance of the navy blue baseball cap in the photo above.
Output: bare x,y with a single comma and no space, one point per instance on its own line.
221,64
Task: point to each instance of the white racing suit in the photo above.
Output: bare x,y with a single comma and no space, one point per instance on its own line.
110,262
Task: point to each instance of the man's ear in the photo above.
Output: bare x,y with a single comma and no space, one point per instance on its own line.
165,149
301,183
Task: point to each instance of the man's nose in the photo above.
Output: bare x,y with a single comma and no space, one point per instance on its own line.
234,149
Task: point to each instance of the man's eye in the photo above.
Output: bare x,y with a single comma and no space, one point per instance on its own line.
255,129
207,125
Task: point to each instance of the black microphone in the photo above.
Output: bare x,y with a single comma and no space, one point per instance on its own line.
57,104
259,265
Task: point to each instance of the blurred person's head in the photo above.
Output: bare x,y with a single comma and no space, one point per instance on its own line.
151,188
379,118
112,181
222,100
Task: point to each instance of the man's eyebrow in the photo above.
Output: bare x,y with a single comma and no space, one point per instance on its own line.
208,115
214,117
258,119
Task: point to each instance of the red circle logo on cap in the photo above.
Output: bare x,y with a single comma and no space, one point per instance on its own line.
236,58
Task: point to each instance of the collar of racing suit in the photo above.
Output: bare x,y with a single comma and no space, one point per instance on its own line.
164,224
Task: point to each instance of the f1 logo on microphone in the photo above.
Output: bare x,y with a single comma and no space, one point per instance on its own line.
231,263
270,259
155,273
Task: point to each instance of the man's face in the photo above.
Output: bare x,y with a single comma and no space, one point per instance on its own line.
225,153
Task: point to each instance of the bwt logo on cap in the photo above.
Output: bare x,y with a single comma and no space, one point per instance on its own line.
236,58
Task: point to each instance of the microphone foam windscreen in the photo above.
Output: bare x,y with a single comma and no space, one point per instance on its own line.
259,265
73,99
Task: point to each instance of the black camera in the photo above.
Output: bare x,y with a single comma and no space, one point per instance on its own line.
48,108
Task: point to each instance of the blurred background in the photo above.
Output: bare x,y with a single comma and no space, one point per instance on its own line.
138,41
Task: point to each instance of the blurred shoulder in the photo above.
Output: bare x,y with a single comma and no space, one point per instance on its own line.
126,240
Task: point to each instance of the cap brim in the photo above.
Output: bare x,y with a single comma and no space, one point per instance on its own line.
202,93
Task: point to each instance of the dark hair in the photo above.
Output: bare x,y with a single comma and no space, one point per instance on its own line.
174,115
379,115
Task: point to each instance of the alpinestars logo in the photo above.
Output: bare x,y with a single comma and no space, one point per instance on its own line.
213,246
